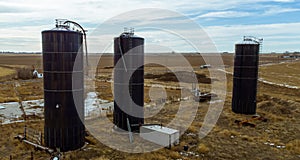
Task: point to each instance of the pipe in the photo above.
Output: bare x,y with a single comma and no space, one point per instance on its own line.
84,36
21,138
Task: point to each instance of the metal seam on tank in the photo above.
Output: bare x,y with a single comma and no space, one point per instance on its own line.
55,136
80,71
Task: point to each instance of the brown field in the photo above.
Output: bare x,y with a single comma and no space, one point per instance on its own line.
6,73
288,73
228,140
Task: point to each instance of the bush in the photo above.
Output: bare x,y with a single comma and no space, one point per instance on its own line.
25,73
202,148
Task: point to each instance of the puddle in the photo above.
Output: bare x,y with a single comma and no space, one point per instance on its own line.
95,107
10,112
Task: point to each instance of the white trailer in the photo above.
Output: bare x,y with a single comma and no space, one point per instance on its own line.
160,135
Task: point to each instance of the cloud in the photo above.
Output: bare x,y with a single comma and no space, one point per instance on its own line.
24,21
284,1
225,14
98,10
278,10
277,37
160,27
21,38
12,9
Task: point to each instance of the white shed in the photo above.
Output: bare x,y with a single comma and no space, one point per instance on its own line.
160,135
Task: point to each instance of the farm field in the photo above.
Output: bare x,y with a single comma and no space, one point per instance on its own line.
275,138
284,73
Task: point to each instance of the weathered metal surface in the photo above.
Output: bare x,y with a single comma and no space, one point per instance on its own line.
245,78
63,89
134,63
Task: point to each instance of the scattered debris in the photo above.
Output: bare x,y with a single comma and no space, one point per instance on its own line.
34,107
244,123
274,145
189,154
248,122
215,101
36,74
204,97
192,134
205,66
201,96
108,67
33,138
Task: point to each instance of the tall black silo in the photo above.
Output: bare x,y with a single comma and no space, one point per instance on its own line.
245,77
133,46
63,85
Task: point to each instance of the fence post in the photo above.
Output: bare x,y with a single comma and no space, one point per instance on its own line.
31,155
25,132
41,138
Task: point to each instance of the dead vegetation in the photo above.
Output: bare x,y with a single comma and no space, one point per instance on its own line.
185,77
6,74
294,146
15,91
278,138
284,73
10,72
24,73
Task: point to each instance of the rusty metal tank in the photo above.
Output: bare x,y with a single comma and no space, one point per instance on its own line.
245,77
63,85
133,46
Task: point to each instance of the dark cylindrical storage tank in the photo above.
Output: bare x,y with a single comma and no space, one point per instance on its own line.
245,78
133,46
63,89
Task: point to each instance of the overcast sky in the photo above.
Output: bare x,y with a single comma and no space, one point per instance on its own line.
224,22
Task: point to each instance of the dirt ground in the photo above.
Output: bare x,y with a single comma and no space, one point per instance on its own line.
277,136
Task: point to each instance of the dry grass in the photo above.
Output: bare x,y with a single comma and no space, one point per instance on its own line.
105,91
24,73
285,73
101,158
31,90
14,148
175,77
193,129
228,133
6,72
24,90
9,72
227,140
294,146
7,93
202,148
